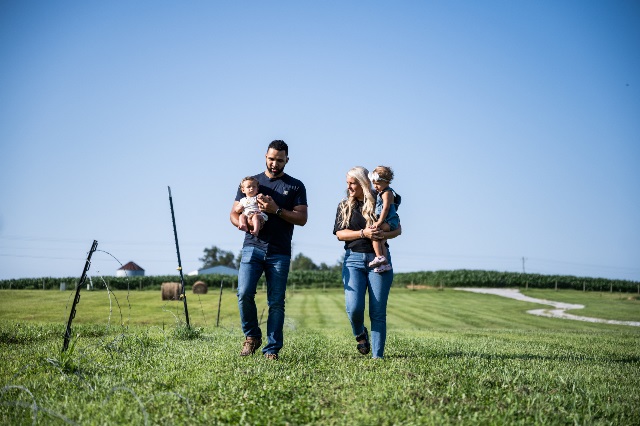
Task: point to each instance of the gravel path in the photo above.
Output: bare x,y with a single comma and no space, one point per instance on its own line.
557,312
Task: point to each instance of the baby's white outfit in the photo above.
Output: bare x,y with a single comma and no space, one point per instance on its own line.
250,205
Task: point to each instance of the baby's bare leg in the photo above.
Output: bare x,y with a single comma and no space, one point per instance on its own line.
243,223
255,219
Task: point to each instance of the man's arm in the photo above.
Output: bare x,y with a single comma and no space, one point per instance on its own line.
297,216
234,216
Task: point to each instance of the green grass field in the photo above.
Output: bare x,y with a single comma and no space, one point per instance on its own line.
452,358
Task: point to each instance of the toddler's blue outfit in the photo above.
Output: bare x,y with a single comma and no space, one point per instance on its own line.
392,217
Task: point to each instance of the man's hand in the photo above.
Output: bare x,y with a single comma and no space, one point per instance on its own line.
266,204
297,216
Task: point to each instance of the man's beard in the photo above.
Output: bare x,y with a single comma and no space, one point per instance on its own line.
275,171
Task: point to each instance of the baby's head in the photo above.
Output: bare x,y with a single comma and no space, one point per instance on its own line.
381,177
249,186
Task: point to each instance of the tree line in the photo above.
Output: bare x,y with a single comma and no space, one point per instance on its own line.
324,279
306,274
215,256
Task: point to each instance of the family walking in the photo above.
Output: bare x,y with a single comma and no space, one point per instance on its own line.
268,206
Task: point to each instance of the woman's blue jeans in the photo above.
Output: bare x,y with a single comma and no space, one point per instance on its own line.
276,271
357,279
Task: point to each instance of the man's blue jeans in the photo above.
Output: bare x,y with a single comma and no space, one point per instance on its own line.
357,279
276,271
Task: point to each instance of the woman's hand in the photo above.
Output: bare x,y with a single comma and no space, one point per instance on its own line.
374,233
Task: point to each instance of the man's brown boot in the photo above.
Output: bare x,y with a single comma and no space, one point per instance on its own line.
250,345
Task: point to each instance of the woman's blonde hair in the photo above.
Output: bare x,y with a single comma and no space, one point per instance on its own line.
347,205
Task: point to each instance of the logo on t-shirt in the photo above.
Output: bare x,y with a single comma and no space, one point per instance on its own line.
285,192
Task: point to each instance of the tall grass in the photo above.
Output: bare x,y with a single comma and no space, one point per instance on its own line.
452,358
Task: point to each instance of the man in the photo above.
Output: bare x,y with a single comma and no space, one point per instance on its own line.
284,199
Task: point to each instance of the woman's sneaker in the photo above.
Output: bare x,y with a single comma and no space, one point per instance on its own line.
380,260
383,268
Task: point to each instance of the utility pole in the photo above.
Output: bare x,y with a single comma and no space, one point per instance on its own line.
523,259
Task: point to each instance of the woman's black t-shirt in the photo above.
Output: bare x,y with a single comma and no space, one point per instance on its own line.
356,223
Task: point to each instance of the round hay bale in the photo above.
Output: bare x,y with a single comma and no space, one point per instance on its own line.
170,291
200,287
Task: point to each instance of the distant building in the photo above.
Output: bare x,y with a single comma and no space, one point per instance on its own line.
130,270
222,270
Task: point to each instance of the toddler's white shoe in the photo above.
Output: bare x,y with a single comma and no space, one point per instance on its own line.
383,268
380,260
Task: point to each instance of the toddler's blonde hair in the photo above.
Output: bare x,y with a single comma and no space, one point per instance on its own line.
249,178
383,173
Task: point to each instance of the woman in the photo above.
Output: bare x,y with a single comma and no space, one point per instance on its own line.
355,215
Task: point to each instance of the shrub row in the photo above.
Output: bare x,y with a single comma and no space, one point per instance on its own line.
322,279
117,283
477,278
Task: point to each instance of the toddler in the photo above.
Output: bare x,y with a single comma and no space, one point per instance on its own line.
387,203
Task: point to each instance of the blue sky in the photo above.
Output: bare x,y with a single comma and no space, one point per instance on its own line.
513,128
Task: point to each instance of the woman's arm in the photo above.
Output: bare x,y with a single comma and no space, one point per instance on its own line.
373,234
350,235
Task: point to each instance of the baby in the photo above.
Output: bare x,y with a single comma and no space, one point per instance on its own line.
251,218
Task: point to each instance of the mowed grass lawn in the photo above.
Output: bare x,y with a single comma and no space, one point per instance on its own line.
452,358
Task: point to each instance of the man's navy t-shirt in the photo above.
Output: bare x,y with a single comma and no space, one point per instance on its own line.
276,234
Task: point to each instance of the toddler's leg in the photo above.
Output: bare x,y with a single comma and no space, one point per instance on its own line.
386,228
384,266
378,247
243,223
255,219
380,251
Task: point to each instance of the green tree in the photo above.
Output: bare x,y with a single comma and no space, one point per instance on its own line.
214,256
324,267
303,263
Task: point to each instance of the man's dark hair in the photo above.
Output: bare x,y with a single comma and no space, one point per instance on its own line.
279,145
